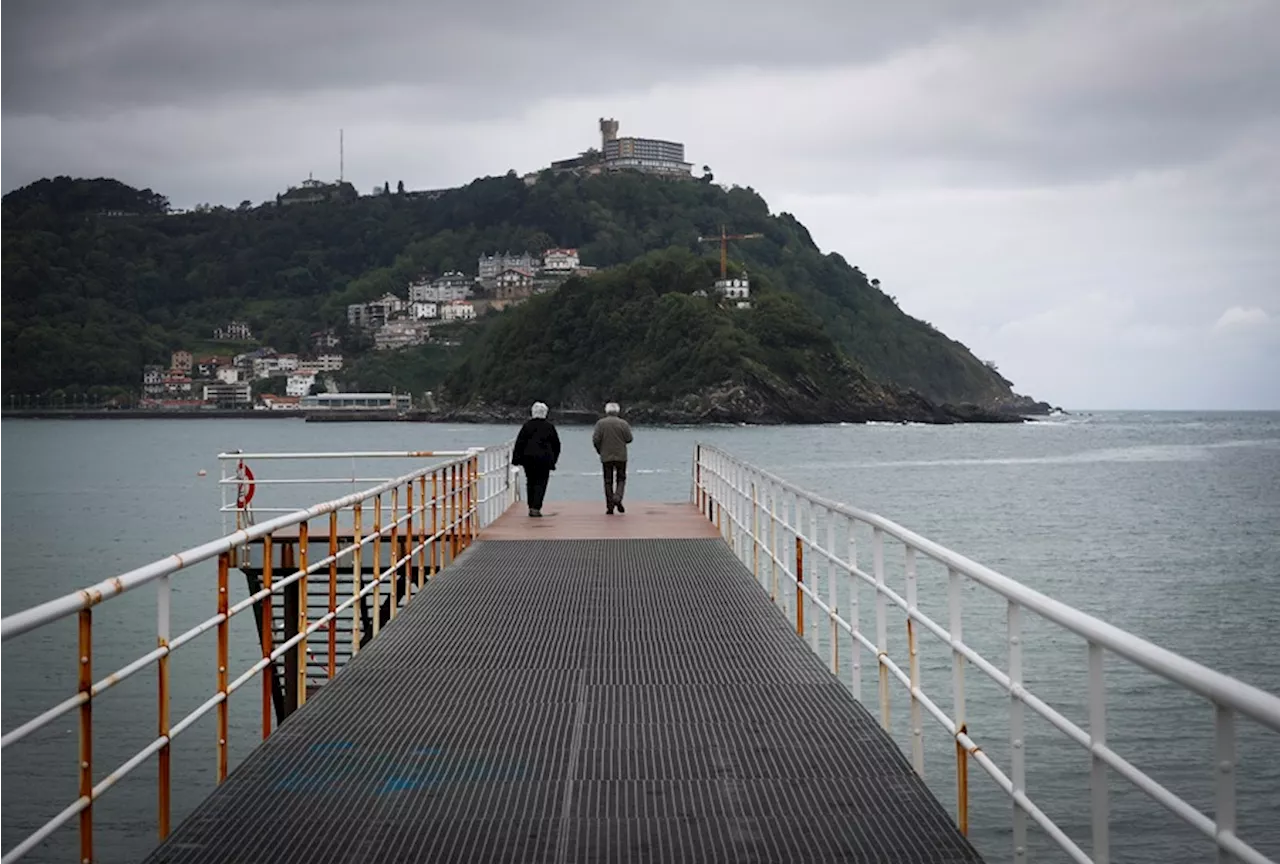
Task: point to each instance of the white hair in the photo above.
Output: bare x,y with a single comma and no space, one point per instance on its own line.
611,408
539,410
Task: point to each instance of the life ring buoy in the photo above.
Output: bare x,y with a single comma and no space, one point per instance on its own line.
244,491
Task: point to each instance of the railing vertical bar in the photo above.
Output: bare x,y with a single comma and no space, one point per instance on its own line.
357,577
304,554
773,543
755,531
435,522
267,638
422,532
833,593
377,564
409,582
85,681
1225,791
799,585
333,593
164,777
224,650
1018,762
913,660
956,624
882,624
1098,768
394,554
855,609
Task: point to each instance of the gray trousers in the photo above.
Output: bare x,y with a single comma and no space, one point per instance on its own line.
615,481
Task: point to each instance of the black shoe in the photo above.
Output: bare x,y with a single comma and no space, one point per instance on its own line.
621,509
537,514
608,511
533,512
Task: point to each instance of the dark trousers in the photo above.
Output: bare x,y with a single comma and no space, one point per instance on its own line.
613,491
536,476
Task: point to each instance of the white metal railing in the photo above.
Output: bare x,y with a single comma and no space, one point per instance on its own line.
785,533
435,512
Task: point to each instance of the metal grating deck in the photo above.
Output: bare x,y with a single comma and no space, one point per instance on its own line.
574,701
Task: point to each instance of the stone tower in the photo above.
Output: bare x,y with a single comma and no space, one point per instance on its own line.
608,131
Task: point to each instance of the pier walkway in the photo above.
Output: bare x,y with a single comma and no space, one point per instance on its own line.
568,699
443,678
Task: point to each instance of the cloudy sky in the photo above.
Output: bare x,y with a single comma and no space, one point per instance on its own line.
1086,193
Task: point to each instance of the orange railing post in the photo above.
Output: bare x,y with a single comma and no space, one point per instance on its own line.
357,578
304,550
395,549
224,641
268,637
163,784
85,681
408,541
435,523
422,531
377,564
799,585
333,593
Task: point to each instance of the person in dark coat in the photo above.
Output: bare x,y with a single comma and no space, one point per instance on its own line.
537,450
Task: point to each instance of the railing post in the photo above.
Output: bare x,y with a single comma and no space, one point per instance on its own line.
855,610
304,552
954,601
357,578
1224,817
377,564
799,583
435,522
422,532
473,506
453,512
409,546
394,555
882,624
163,598
1098,768
755,532
268,638
913,656
85,681
1018,759
833,593
333,593
224,645
697,476
773,543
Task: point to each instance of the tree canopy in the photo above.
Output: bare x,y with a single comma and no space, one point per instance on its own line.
100,279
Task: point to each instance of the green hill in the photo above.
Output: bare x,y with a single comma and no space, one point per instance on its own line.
640,334
98,280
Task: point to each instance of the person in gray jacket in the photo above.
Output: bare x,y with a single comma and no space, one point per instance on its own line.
611,437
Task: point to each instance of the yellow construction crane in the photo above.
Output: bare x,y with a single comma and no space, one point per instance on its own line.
724,246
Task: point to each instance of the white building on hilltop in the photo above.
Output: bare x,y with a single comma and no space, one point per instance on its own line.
737,291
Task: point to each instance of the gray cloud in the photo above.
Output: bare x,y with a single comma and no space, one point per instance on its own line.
82,56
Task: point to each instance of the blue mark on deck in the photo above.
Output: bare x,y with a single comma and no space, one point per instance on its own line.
422,768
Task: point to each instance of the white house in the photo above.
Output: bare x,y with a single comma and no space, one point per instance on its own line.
457,310
299,384
228,374
422,309
265,367
287,362
560,260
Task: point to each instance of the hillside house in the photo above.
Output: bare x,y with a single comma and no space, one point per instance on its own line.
560,261
457,310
